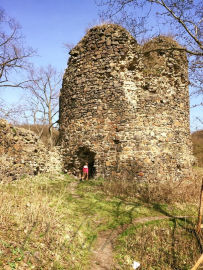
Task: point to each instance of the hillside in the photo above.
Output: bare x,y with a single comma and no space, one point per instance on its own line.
197,140
55,222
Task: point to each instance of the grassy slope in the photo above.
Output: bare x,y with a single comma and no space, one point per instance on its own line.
197,139
52,222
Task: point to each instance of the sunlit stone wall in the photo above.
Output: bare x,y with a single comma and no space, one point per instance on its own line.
124,108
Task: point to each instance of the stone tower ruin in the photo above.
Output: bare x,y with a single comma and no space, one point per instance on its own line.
124,108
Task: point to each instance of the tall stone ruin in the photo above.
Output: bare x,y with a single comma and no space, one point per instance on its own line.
124,108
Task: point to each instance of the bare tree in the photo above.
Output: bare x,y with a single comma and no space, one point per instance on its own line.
199,222
44,87
12,112
13,54
183,18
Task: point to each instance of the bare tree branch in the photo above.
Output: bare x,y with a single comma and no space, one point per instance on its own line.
13,54
183,18
44,87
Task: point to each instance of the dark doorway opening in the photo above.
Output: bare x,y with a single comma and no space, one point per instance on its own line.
85,155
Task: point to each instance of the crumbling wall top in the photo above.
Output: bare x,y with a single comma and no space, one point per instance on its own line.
105,33
161,42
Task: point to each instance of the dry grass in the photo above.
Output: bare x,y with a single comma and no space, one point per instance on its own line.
163,244
160,43
43,132
51,222
99,24
34,227
167,245
152,192
197,140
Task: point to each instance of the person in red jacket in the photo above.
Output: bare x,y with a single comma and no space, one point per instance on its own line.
85,171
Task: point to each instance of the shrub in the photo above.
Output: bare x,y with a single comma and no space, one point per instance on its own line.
43,132
197,140
186,190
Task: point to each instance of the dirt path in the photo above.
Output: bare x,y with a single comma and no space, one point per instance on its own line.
102,254
102,257
72,188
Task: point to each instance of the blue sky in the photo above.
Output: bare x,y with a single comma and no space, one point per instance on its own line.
48,24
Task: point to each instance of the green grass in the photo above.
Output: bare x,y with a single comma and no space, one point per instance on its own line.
165,244
52,222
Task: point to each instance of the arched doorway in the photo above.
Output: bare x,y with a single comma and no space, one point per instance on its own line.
85,155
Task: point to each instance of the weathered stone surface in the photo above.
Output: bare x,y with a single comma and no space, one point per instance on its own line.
124,108
22,153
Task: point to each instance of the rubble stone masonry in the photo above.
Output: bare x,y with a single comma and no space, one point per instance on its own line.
124,108
22,153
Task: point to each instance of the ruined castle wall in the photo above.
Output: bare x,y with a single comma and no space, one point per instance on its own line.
22,153
124,108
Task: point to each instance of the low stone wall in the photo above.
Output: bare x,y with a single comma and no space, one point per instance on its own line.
22,153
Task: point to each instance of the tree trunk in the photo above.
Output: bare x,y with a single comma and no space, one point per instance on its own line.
199,223
200,260
50,127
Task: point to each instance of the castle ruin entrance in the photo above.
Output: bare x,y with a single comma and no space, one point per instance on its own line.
85,155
